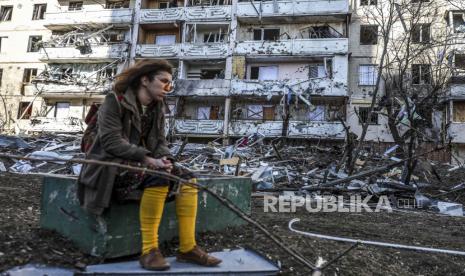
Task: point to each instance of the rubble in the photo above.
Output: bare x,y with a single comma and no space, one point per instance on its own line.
311,170
50,146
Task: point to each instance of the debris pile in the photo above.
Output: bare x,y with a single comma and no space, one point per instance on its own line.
316,171
275,167
61,146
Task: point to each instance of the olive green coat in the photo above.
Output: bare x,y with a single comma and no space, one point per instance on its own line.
118,139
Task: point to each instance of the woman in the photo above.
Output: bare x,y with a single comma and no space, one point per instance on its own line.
131,130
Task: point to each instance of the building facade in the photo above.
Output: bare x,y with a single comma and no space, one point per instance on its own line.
301,69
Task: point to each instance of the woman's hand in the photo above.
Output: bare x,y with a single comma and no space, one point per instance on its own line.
158,163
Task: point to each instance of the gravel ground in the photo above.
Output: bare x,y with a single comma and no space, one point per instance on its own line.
22,241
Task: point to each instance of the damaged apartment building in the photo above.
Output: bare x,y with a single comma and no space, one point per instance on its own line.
300,69
273,68
74,48
269,68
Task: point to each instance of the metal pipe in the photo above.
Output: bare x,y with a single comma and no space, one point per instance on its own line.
376,243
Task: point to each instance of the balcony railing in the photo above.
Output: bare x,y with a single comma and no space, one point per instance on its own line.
98,52
297,129
198,127
292,8
108,16
185,13
293,47
246,127
330,130
320,86
43,124
185,50
56,90
218,87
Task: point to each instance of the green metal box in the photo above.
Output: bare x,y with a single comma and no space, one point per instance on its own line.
116,233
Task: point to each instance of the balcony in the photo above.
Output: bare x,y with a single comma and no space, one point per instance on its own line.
206,13
325,9
293,47
184,50
198,127
68,91
246,127
66,19
321,87
328,130
297,129
68,125
216,87
457,132
99,53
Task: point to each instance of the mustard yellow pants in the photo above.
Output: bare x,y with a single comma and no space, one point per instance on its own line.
151,210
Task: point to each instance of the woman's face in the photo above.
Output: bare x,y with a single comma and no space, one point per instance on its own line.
159,87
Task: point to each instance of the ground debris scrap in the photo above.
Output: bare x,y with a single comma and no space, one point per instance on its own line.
431,206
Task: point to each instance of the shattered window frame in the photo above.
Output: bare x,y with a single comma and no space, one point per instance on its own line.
26,108
317,114
6,13
106,74
421,33
421,74
362,112
215,38
369,34
75,6
368,2
39,11
211,74
262,31
314,70
29,74
459,62
32,46
458,27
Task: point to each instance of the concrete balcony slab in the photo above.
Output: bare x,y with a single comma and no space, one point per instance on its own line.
293,47
204,13
183,50
198,127
98,53
67,19
290,9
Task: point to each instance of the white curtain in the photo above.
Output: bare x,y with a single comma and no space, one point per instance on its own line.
268,73
165,39
203,113
62,110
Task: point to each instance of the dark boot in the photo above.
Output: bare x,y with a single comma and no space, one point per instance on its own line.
198,256
154,260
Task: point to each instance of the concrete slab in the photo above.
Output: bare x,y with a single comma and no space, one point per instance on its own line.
235,262
38,269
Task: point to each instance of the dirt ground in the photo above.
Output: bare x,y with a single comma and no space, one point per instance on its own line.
22,241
